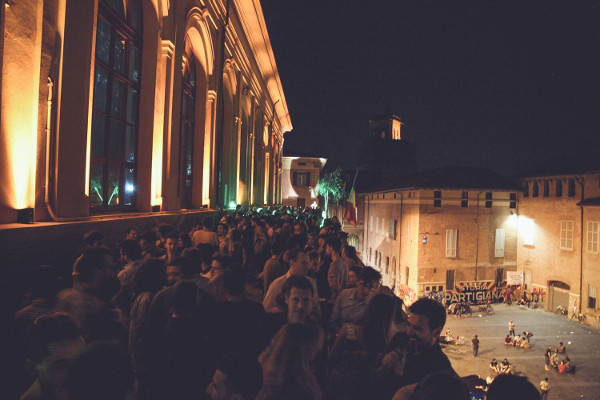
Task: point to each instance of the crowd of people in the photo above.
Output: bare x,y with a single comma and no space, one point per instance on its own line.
266,305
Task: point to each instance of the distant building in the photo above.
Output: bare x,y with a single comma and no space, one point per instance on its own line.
440,230
559,219
300,174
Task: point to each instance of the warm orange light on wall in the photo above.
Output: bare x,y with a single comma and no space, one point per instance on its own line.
19,109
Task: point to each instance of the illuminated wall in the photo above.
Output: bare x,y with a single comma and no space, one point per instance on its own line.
47,166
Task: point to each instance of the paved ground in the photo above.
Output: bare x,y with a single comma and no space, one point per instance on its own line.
582,342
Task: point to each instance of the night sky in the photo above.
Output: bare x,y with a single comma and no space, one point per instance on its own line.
498,84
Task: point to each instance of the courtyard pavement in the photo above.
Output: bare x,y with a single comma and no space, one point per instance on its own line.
582,343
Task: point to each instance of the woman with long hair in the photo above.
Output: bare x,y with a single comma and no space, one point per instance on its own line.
286,363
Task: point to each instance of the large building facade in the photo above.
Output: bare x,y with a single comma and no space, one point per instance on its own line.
117,106
451,230
559,219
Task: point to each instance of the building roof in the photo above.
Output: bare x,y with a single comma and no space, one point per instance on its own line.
592,202
450,177
576,164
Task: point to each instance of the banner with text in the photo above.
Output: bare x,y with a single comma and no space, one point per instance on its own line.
474,292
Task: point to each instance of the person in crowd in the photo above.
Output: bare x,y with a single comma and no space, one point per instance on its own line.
274,266
102,371
185,241
224,238
511,328
239,318
351,303
413,355
547,355
439,385
475,345
206,234
356,348
44,285
311,242
131,233
505,367
171,246
517,341
236,378
147,281
554,360
299,267
508,341
561,349
163,231
510,387
544,387
214,285
286,363
88,302
131,256
494,365
354,275
147,241
55,341
337,274
351,258
525,343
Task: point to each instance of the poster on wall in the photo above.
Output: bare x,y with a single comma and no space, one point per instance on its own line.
475,292
514,278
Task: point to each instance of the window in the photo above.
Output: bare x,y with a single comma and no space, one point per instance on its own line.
566,235
499,276
450,278
535,189
376,224
370,223
591,296
382,226
546,189
301,164
571,187
513,200
592,237
464,202
387,265
437,198
186,134
392,229
559,188
113,161
301,179
451,236
407,275
526,190
488,199
499,248
527,228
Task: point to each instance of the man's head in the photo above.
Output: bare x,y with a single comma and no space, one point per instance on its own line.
218,265
147,240
236,378
172,242
298,295
333,245
506,386
354,275
178,269
234,280
94,272
222,229
208,223
131,233
164,230
425,322
369,283
93,239
298,262
55,342
130,250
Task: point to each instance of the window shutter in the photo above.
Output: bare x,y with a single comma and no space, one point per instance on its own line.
499,243
451,236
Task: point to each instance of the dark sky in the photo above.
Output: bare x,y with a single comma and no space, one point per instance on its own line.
495,83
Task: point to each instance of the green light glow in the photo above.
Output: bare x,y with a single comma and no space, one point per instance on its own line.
232,205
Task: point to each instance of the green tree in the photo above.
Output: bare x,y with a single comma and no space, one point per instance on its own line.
331,187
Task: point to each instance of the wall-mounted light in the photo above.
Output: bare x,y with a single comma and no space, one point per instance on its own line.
424,239
25,216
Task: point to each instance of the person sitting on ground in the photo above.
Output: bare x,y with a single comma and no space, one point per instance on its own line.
561,349
569,366
524,343
508,340
494,365
505,367
554,360
517,341
561,367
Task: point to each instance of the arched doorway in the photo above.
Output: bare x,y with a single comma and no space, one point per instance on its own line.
558,295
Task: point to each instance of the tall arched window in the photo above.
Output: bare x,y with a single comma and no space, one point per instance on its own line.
116,105
186,134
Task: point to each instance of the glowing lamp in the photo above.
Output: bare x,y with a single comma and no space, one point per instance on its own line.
232,205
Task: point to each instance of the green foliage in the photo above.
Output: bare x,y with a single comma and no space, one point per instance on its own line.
331,186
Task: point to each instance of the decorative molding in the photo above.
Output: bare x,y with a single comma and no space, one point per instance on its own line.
167,48
211,95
